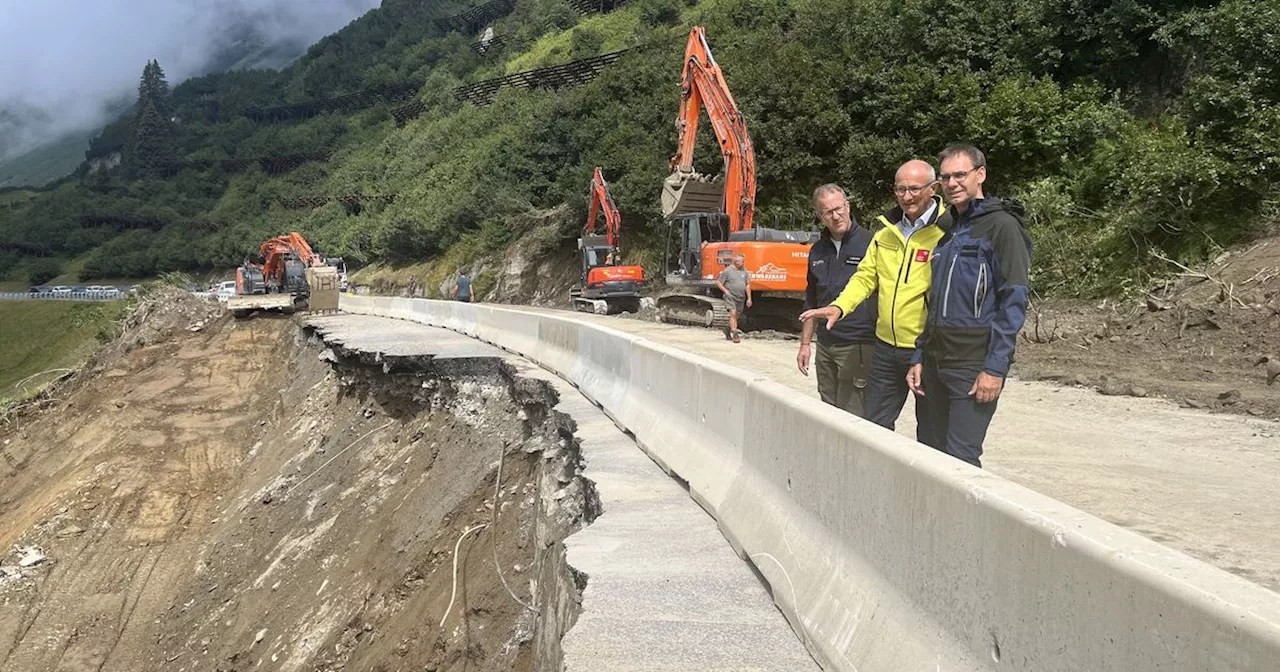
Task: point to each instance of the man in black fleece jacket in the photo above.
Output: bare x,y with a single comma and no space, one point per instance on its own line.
844,351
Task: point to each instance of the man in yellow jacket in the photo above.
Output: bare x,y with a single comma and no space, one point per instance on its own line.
896,268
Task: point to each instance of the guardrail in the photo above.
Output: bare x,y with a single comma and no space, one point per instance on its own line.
49,296
886,555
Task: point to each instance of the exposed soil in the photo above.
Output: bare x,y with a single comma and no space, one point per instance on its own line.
240,497
1198,340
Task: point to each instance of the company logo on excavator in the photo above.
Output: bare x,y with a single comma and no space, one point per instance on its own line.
770,272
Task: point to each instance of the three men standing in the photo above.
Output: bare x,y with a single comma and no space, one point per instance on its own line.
953,296
845,349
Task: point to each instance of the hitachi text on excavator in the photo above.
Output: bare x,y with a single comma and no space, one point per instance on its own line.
291,277
709,219
605,286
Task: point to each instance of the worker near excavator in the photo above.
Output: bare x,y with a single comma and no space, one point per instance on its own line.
896,270
978,304
735,284
844,351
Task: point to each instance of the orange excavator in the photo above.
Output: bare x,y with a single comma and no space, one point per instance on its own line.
605,287
290,273
711,219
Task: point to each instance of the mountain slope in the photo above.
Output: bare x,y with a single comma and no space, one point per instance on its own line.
1120,131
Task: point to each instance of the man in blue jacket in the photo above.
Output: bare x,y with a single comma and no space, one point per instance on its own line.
977,305
844,352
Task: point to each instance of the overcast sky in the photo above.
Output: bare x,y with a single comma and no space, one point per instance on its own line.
67,58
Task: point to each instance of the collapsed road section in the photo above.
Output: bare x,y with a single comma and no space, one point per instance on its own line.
360,494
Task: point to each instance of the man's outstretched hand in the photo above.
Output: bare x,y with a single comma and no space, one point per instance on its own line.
829,313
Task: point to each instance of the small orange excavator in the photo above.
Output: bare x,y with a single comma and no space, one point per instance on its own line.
291,276
605,287
709,219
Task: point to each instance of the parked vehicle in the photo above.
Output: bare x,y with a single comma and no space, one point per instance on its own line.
226,290
38,289
61,290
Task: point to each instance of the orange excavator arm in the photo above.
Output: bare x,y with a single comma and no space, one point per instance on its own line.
602,202
703,86
276,250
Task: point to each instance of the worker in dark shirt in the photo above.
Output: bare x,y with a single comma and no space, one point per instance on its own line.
462,286
844,351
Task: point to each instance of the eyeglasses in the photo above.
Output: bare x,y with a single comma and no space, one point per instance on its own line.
831,211
959,175
900,189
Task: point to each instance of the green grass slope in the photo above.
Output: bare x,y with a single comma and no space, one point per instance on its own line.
38,337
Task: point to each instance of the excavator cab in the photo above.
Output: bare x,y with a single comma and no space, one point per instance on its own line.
687,235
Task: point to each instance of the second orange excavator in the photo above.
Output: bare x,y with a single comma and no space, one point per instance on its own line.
709,220
291,276
605,286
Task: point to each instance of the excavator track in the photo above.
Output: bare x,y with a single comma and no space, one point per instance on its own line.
694,310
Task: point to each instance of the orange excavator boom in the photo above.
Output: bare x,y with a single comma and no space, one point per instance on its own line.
277,250
602,203
703,86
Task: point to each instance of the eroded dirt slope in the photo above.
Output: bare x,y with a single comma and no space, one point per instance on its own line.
241,497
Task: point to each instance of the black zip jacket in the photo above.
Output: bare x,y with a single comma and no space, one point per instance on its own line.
829,272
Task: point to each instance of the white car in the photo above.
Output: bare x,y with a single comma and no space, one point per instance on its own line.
109,291
61,290
226,290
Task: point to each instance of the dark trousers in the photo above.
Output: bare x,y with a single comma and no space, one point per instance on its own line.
842,375
887,387
957,424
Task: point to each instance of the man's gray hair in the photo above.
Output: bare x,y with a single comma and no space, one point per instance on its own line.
828,188
975,155
739,255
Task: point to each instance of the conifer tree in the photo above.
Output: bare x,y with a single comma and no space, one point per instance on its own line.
153,148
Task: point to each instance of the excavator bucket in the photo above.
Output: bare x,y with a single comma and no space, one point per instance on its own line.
691,192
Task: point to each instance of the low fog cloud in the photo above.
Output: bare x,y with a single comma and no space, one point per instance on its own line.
63,61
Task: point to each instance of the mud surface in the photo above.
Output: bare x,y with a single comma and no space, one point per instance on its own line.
240,497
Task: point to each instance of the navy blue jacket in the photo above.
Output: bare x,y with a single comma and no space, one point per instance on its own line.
978,299
829,272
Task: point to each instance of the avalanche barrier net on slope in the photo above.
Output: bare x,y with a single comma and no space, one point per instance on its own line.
882,553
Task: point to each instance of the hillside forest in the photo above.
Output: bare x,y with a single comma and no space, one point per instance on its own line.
1131,130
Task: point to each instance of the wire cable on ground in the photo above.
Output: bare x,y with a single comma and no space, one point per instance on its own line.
340,452
493,522
454,594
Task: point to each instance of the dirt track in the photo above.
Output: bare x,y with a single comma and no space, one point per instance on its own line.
1202,483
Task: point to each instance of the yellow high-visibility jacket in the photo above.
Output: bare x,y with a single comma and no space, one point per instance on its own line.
897,269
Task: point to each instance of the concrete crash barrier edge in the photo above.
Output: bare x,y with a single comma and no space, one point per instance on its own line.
884,554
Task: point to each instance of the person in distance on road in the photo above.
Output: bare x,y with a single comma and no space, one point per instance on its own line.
844,351
462,287
896,270
978,304
735,283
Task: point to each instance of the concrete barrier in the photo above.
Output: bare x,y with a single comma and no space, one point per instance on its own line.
884,554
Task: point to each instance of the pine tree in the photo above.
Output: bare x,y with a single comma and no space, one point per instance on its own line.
153,148
154,87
